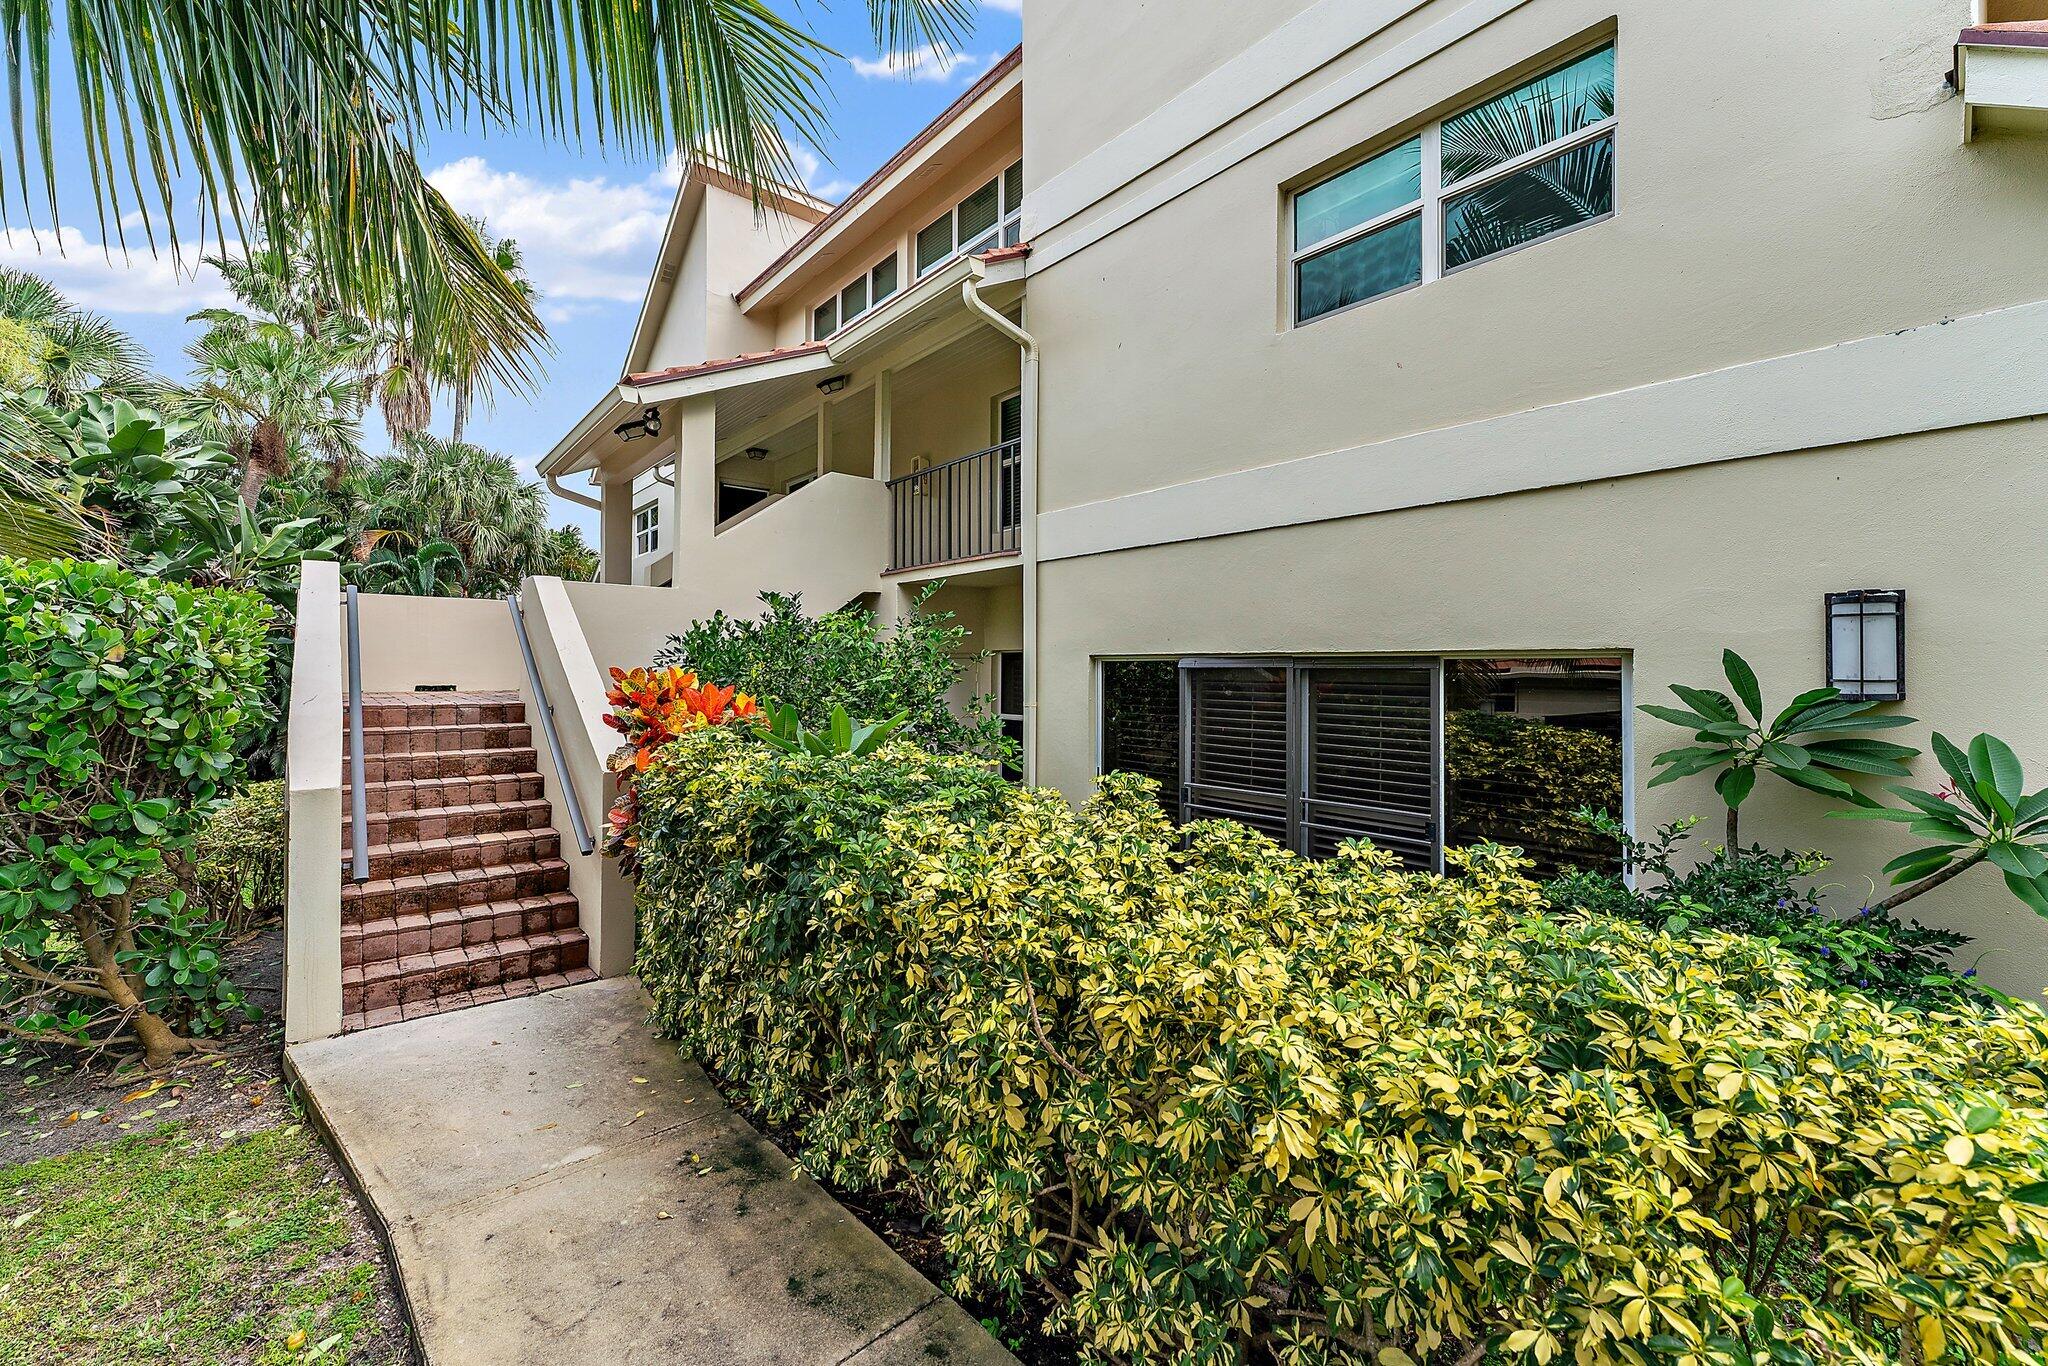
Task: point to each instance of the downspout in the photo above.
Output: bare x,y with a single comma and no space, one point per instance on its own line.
554,483
1027,481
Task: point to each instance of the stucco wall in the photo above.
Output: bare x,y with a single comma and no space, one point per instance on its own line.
1786,178
465,643
1671,568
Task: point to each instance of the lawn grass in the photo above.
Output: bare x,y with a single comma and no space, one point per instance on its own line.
170,1247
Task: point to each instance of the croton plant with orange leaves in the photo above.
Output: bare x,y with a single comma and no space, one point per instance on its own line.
651,707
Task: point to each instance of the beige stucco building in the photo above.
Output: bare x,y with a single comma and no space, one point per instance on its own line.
1347,411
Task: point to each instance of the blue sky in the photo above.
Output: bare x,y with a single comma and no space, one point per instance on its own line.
588,222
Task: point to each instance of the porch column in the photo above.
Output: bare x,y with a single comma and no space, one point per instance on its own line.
695,510
884,406
615,539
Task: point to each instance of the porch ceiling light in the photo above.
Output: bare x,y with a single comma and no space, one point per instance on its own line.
755,452
633,428
831,384
1867,643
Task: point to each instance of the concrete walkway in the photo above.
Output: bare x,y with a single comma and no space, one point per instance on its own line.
560,1187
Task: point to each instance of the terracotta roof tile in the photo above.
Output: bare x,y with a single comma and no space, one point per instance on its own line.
712,367
1000,254
2022,33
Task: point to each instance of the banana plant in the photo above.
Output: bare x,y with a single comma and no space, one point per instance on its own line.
1985,815
787,732
1809,744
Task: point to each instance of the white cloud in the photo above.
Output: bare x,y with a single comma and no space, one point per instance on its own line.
92,275
1006,6
922,63
811,166
587,237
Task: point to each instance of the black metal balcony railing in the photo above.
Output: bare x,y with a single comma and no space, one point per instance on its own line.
967,508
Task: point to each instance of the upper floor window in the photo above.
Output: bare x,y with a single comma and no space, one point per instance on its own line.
646,528
1525,165
864,293
990,217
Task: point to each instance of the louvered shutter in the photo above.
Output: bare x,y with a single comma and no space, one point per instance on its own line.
1371,763
1236,764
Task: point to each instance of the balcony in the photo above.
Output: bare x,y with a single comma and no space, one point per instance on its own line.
967,508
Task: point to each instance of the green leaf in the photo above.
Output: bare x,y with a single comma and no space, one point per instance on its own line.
1810,698
1782,754
1708,703
1981,1119
1992,761
1688,720
1743,679
1861,756
2029,891
2033,1193
1735,785
1821,781
1952,760
1937,855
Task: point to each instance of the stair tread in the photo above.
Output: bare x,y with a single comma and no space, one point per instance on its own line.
483,873
475,910
353,1020
414,846
433,960
527,804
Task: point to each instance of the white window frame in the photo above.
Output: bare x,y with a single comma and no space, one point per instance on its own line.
647,528
840,317
1436,195
1009,217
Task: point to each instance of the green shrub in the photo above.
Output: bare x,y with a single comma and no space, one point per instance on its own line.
1771,893
239,855
1229,1104
128,702
845,659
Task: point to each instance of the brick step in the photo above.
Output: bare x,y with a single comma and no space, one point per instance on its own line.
417,739
463,927
402,796
386,710
442,974
449,822
492,848
384,898
470,763
353,1020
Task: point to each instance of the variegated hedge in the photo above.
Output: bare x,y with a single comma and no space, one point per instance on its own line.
1234,1106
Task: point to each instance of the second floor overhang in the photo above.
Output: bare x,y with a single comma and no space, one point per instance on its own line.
613,441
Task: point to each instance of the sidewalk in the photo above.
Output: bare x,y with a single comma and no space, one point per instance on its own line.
559,1187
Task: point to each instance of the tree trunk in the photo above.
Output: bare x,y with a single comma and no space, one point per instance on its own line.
1733,815
1929,883
268,456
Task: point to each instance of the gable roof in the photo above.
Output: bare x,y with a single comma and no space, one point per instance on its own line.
990,79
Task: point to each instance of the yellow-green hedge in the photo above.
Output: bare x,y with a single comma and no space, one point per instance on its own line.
1232,1105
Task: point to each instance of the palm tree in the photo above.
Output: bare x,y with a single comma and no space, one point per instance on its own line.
80,350
300,120
431,490
465,369
272,395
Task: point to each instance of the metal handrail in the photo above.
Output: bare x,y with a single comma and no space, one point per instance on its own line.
359,821
962,509
547,728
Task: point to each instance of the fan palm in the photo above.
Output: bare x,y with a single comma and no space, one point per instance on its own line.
80,350
299,120
271,395
430,490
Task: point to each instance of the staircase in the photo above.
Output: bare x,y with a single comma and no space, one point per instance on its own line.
468,898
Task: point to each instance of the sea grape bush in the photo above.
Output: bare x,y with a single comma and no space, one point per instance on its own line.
127,704
1231,1105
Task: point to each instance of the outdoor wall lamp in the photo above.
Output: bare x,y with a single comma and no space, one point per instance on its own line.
831,384
755,453
633,428
1867,643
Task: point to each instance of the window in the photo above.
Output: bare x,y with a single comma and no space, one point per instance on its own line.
646,529
733,499
990,217
1411,754
857,298
1141,723
1527,742
1524,165
1010,704
1010,461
